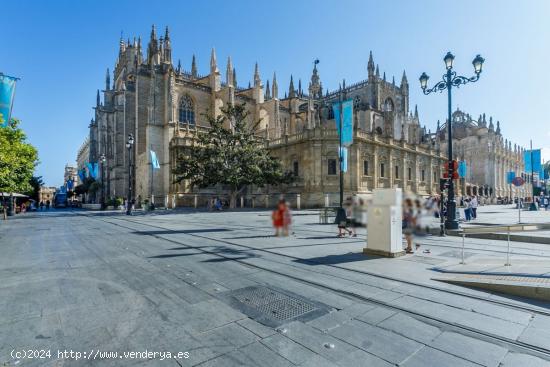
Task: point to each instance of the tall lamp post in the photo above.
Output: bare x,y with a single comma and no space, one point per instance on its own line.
129,145
102,159
450,80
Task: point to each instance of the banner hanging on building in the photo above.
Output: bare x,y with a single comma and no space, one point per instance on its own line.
154,160
7,92
82,174
462,169
344,155
533,162
92,170
347,117
70,184
510,177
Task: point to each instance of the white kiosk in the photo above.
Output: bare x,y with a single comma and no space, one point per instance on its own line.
384,219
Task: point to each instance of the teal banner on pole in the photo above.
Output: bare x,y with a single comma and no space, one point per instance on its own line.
510,177
344,155
347,117
7,92
154,160
462,169
533,163
92,170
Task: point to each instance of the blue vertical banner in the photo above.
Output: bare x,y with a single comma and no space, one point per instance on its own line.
347,117
533,162
154,160
462,169
82,174
344,155
7,92
510,177
70,184
92,170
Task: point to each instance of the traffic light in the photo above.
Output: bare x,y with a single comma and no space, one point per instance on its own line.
443,184
454,167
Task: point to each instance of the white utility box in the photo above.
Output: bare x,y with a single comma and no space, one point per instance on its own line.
384,218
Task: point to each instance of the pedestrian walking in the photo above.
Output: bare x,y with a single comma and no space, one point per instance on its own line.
408,224
474,205
467,210
281,218
41,205
342,221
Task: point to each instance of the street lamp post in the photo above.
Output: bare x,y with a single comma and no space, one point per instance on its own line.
102,159
450,80
129,145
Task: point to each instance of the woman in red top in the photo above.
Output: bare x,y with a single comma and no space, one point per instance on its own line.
280,218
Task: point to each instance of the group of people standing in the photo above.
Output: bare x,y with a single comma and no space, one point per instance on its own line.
470,205
44,204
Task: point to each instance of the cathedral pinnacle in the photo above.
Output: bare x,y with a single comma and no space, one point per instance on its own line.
229,72
107,80
377,72
404,80
257,80
213,62
370,65
275,87
291,91
194,67
98,99
267,91
416,112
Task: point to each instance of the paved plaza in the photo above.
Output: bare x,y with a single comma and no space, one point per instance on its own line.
220,287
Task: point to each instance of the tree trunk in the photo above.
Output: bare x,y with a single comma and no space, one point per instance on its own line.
233,200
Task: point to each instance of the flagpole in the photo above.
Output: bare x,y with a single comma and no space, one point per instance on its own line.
341,158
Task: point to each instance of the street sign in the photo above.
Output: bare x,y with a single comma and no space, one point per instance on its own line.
518,181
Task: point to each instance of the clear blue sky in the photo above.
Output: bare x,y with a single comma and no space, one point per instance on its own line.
60,50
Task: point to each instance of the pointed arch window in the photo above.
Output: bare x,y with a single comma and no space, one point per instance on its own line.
187,110
388,105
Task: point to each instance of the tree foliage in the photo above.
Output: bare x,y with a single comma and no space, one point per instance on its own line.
17,159
36,182
233,157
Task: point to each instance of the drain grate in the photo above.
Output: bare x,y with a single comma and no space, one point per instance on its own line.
272,307
275,304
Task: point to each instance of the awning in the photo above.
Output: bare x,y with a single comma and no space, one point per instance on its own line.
15,194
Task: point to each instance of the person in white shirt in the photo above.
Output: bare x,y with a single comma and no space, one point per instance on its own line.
473,205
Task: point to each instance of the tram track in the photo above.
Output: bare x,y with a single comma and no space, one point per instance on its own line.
512,344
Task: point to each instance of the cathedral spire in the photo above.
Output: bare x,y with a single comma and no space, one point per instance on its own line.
416,112
498,127
257,80
98,99
213,62
107,80
178,70
291,91
393,80
194,73
377,72
370,65
384,77
299,87
275,87
267,91
152,48
229,72
438,127
404,81
234,78
167,47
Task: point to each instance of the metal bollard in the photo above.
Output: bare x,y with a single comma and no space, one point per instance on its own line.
463,239
508,252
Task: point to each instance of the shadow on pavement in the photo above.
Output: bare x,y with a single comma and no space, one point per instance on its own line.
336,259
185,231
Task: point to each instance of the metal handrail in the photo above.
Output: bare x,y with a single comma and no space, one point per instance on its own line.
521,227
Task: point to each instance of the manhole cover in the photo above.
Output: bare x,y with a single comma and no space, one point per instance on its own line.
273,307
275,304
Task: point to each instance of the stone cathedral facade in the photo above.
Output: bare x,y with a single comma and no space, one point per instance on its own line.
488,155
163,105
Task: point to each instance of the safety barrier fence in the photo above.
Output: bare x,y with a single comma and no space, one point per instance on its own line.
520,227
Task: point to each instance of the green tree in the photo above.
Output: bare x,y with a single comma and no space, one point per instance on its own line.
36,183
233,158
17,159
